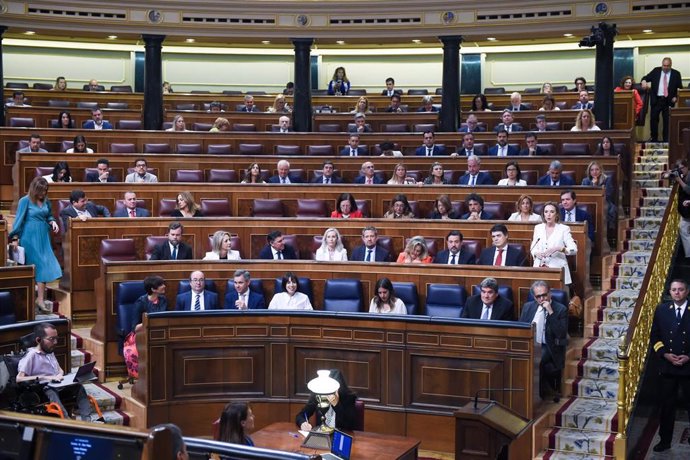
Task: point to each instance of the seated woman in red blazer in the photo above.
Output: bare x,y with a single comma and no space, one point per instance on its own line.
346,208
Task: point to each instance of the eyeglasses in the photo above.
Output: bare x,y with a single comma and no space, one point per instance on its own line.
541,296
141,165
51,339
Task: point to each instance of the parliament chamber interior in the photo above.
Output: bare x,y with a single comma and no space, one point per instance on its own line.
268,131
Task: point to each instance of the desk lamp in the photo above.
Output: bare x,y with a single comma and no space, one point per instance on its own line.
323,386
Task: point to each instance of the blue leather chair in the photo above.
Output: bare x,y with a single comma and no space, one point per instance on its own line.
305,287
445,300
407,292
343,295
183,286
7,315
126,294
504,291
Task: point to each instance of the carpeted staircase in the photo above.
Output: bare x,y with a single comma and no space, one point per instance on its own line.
585,425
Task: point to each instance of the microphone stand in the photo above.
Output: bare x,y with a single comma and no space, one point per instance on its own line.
489,390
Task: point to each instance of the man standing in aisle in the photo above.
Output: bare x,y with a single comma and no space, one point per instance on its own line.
664,83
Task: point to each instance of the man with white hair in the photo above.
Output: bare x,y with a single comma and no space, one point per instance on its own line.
283,176
516,104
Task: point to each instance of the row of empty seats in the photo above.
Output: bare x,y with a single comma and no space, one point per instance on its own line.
86,87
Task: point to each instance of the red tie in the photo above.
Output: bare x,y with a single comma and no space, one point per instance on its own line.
499,258
132,213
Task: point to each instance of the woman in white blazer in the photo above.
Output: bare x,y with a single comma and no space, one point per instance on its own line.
552,242
331,248
221,248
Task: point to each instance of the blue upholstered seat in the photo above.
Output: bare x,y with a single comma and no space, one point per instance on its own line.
407,292
445,300
343,295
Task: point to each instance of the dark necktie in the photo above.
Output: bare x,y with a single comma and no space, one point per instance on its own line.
369,251
280,255
174,253
353,152
452,259
197,303
328,180
429,151
678,316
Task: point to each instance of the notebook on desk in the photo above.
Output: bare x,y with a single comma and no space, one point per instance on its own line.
83,374
341,447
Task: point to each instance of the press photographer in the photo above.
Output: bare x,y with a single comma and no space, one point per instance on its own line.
680,174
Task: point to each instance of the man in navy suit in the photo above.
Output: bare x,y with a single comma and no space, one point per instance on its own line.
103,172
370,251
428,149
327,176
467,149
471,125
502,149
353,149
500,254
243,298
475,208
360,124
283,176
554,178
390,88
80,207
540,122
131,209
455,254
249,104
488,305
198,299
367,176
583,101
474,176
670,340
97,122
516,104
507,125
276,249
174,248
395,106
570,212
551,320
663,84
532,148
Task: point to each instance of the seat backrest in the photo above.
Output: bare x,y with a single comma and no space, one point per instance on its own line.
287,150
496,90
58,103
243,127
121,88
126,294
156,148
472,247
531,176
520,248
123,148
118,249
307,207
496,210
215,207
189,148
359,415
42,171
188,175
117,105
326,150
251,149
536,90
363,207
187,106
395,128
268,207
128,124
221,175
407,292
504,291
458,206
330,128
480,147
343,295
305,287
152,242
574,148
219,149
184,286
198,126
547,149
22,122
424,127
7,314
87,105
417,91
445,300
16,85
166,206
66,145
553,125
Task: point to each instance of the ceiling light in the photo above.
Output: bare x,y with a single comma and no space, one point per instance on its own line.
266,42
491,39
112,37
416,41
190,40
568,35
340,42
647,31
29,32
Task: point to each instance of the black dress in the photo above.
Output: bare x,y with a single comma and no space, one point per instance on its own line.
345,412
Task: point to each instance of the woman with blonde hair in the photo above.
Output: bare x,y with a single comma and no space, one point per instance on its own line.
279,105
524,210
362,106
416,252
221,124
221,247
178,124
596,177
186,206
331,249
585,121
400,177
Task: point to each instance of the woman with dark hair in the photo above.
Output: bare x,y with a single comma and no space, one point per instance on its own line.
627,84
186,206
548,103
60,84
236,421
346,208
479,104
341,413
34,217
443,209
61,173
512,173
605,147
15,252
290,298
64,120
252,175
339,84
384,300
399,209
79,145
436,175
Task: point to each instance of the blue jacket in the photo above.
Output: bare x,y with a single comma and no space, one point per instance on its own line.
184,301
483,178
90,124
581,216
438,150
564,181
512,151
255,301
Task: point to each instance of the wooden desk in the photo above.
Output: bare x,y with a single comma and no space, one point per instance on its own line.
365,445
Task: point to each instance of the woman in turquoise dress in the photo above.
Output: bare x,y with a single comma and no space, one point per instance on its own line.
33,222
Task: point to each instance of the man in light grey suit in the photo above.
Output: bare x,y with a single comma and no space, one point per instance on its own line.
34,145
140,173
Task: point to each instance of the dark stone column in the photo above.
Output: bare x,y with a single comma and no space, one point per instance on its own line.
2,77
301,112
153,82
450,111
603,76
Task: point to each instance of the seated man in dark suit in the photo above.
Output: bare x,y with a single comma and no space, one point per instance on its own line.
532,148
571,213
467,149
428,149
327,176
471,125
427,104
243,298
370,251
502,149
283,176
249,104
475,206
474,176
198,299
103,174
583,101
81,208
516,104
507,125
390,88
276,249
488,305
367,176
554,178
353,149
540,121
500,254
395,106
551,319
97,122
455,254
360,124
174,248
131,209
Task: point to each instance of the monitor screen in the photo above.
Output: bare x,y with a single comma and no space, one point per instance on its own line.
342,445
87,446
10,441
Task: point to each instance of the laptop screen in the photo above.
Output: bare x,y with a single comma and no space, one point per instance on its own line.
342,445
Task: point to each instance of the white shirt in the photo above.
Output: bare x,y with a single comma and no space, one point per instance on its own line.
540,321
88,150
96,126
683,307
275,254
232,255
323,254
502,151
519,183
373,254
283,301
515,217
398,309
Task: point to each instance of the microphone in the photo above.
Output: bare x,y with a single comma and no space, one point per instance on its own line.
476,395
535,244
